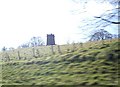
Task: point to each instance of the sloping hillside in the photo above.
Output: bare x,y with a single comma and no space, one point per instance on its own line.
93,63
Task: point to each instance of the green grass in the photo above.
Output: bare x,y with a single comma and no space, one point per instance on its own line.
92,64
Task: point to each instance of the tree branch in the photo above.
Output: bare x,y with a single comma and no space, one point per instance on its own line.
107,20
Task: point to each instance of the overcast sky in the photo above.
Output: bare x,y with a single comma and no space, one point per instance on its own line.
22,19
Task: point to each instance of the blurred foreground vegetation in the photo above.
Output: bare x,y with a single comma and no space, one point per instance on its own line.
92,63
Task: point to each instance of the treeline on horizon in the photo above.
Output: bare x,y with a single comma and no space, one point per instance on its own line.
100,34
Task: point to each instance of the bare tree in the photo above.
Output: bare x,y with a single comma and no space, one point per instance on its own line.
11,48
25,45
4,48
36,41
106,18
101,35
33,42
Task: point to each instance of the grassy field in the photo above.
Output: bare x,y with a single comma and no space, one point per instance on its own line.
91,63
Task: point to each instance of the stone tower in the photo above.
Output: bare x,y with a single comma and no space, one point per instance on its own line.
50,39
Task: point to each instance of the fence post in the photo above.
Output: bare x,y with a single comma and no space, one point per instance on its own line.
81,44
33,51
103,42
59,50
7,57
19,55
38,53
74,47
52,50
25,56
